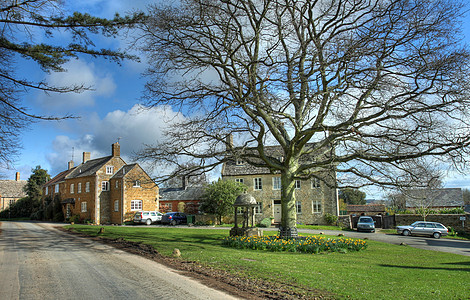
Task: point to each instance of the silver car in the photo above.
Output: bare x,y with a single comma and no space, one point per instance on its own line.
433,229
147,217
366,224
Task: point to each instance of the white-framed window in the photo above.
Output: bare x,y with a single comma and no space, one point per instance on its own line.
47,190
56,189
136,204
105,185
79,187
109,169
116,205
298,207
316,206
239,162
117,184
12,202
258,184
276,183
315,183
136,183
259,208
87,187
72,187
240,180
83,206
297,184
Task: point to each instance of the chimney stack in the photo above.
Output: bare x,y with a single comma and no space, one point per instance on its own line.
229,144
17,177
185,182
70,164
86,156
116,150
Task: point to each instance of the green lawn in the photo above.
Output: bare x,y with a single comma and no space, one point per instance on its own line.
381,271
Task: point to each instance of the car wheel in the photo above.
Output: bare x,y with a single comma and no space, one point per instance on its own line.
148,222
436,235
173,222
406,232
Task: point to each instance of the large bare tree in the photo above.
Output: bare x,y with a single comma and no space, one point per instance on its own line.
360,85
28,31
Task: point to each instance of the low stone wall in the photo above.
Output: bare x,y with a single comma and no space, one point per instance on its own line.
448,220
212,219
345,221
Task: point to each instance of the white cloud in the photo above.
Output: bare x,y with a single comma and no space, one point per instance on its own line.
133,128
78,73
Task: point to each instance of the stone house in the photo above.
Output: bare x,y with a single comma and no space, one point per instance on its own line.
103,190
314,197
11,191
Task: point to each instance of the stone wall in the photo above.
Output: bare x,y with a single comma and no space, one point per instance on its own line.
344,221
446,219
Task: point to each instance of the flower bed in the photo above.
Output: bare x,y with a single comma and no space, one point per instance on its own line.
308,244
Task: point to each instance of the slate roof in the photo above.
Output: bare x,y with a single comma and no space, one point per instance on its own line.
448,197
88,168
124,170
180,194
59,177
231,168
12,188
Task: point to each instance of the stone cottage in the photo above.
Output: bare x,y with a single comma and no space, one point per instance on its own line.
314,197
103,190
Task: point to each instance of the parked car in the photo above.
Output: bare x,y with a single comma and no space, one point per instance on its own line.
147,217
174,218
366,224
433,229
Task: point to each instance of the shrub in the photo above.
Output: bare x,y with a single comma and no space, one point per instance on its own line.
58,217
330,219
266,222
457,210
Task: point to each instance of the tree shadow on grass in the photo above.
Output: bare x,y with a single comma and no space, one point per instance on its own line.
465,267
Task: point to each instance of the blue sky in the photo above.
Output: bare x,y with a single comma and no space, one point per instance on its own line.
109,113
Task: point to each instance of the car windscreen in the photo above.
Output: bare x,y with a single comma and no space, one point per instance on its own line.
366,220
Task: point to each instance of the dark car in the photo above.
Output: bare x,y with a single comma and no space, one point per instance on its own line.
433,229
174,218
366,224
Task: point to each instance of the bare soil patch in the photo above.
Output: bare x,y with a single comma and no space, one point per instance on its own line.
215,278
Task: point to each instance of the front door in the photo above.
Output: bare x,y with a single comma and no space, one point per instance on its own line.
277,211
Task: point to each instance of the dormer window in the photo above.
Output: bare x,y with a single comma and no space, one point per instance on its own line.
109,170
239,162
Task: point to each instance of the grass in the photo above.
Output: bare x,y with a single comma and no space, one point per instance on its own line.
381,271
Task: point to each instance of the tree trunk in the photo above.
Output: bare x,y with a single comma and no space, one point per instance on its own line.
289,216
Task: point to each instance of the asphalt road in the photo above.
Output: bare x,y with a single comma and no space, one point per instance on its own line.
40,262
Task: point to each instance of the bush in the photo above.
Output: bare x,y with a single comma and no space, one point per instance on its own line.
330,219
58,217
456,211
266,222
